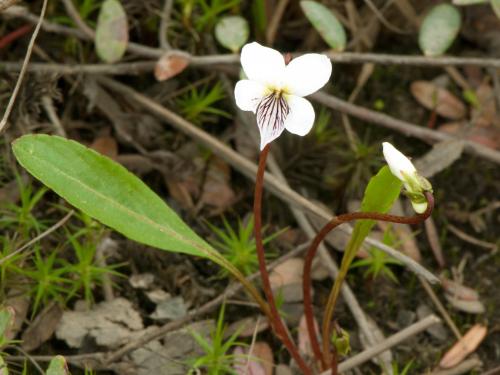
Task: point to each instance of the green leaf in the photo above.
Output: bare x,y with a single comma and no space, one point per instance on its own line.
468,2
439,29
495,4
232,32
380,194
325,22
57,366
6,320
3,367
111,37
106,191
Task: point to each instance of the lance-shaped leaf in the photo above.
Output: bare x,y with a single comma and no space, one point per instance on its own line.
380,194
232,32
107,192
439,29
57,366
325,22
495,4
111,37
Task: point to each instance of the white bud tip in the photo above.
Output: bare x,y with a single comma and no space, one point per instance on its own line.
399,164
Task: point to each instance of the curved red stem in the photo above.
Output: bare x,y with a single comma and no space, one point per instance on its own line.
311,252
276,323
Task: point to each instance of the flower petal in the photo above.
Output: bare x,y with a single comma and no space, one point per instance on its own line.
271,114
301,117
307,74
248,94
263,64
400,165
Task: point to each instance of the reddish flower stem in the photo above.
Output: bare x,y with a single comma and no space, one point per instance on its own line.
323,357
276,322
16,34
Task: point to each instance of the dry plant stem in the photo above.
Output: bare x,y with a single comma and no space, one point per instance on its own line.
275,321
12,99
324,355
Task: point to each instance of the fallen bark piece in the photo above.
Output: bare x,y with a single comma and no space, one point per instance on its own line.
463,347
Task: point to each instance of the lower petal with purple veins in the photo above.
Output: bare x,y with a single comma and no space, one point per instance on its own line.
271,113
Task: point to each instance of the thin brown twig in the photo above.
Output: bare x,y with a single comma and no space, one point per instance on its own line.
164,23
39,237
336,57
12,99
384,20
75,17
425,134
434,298
472,240
130,68
273,25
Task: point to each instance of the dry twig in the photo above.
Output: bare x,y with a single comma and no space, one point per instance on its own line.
12,99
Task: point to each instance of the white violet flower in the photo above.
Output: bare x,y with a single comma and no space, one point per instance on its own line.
274,90
401,167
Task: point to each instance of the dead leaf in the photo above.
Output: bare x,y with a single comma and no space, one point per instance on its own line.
440,157
245,365
263,351
433,97
304,340
485,114
169,65
42,328
487,136
286,279
110,324
459,291
470,307
106,146
216,190
20,304
247,327
463,347
141,280
434,241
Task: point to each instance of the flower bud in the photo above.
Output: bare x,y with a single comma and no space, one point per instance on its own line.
415,185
